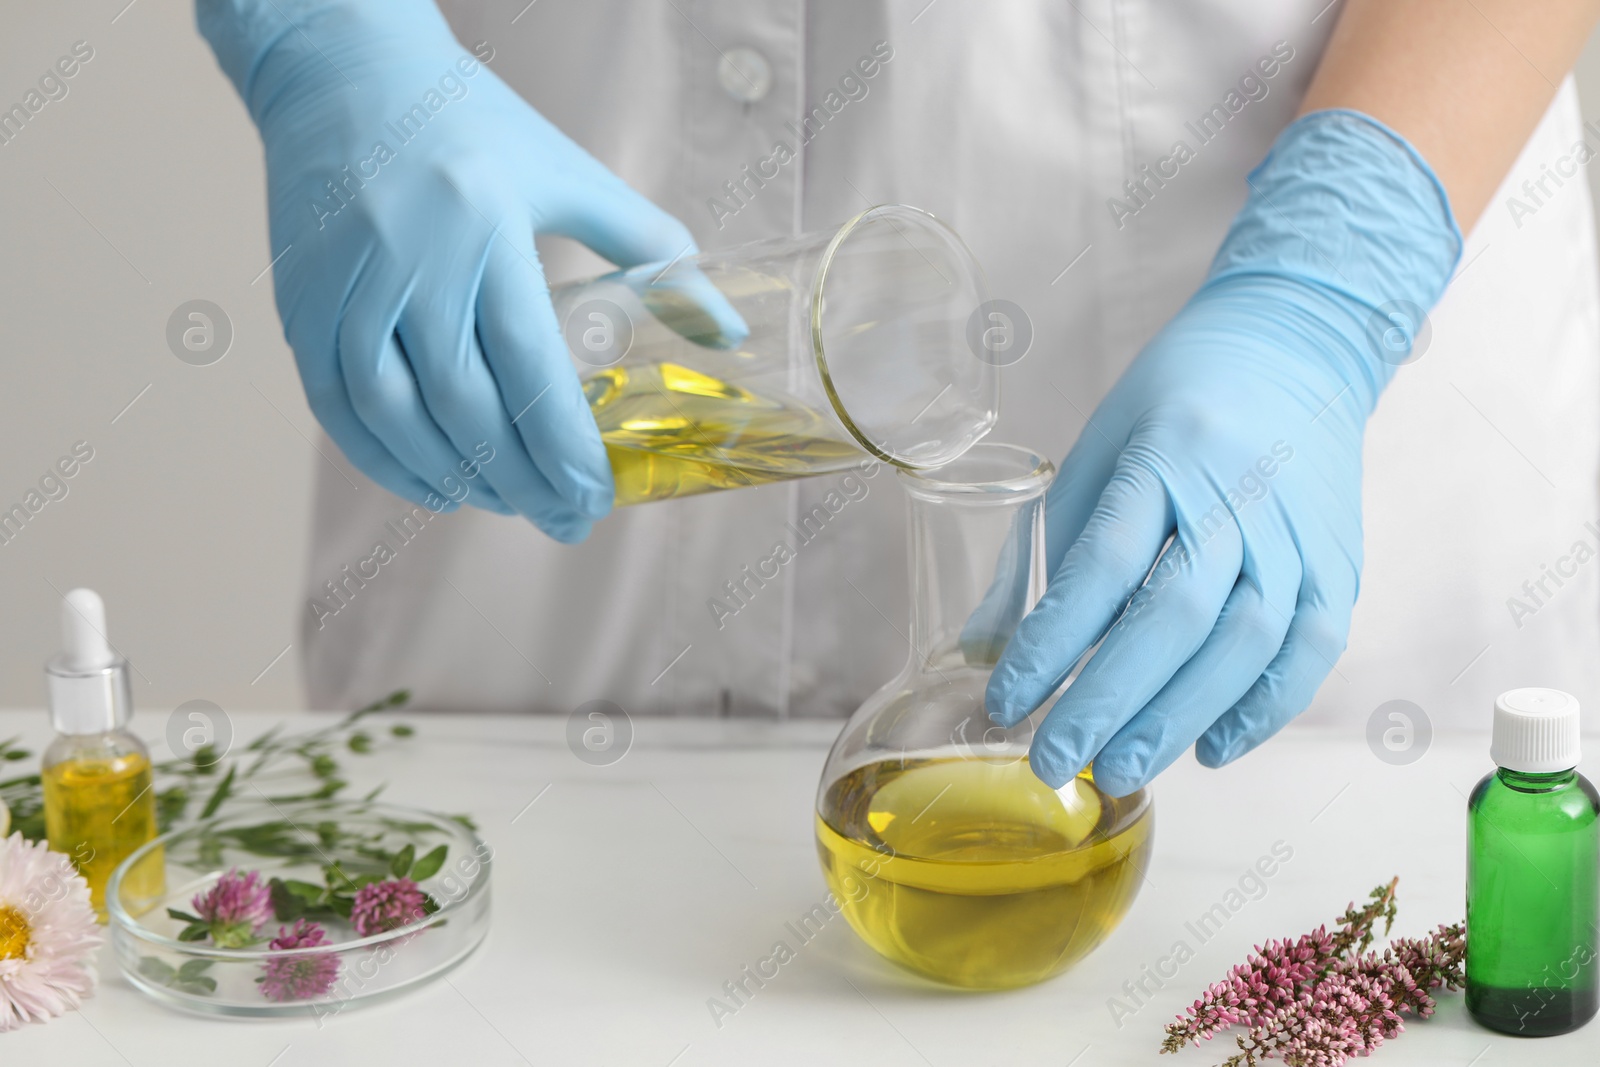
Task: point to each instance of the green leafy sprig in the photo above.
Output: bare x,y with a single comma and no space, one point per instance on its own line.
275,755
308,760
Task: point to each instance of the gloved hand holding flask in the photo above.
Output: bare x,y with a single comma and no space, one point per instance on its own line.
1207,523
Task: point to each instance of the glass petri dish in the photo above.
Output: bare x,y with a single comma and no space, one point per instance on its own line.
301,839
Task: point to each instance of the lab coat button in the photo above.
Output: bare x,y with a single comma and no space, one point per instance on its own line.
745,74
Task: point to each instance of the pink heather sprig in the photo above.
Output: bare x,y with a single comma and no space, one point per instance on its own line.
234,908
299,977
383,906
1321,999
1274,977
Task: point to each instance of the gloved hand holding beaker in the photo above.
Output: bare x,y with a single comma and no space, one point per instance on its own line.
406,184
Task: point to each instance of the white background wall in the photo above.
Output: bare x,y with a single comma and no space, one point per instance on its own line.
138,191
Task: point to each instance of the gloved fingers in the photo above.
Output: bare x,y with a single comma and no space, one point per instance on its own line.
520,483
462,395
524,348
1315,640
621,224
1076,490
683,299
310,315
616,221
1247,637
1103,567
989,627
383,389
1166,624
330,403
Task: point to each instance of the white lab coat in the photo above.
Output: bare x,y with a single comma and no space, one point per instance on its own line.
1018,123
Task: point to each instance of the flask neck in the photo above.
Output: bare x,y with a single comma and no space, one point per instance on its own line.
1524,782
977,554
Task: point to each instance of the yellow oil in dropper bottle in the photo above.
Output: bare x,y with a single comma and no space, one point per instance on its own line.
98,801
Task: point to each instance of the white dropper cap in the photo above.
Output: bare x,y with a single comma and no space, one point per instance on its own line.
83,632
1535,731
89,690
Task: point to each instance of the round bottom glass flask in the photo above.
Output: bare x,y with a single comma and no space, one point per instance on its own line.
944,851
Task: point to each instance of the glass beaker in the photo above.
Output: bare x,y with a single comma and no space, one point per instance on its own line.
943,849
785,357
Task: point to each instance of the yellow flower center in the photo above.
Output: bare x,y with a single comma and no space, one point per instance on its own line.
14,930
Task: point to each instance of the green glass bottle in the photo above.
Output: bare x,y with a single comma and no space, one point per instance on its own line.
1533,874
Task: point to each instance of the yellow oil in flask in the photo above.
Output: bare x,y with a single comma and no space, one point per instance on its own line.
974,872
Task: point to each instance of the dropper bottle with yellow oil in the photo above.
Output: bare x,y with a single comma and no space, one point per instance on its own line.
99,804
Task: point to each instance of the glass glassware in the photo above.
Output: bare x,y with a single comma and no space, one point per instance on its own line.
786,357
1533,900
943,849
293,843
99,807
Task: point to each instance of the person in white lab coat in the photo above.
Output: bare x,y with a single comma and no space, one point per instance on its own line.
1094,155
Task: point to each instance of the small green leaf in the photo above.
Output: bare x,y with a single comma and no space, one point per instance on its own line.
205,759
400,866
156,970
210,851
193,969
265,739
170,805
341,906
200,987
194,932
219,794
429,865
398,697
15,754
287,905
360,742
429,905
260,761
337,880
183,916
400,729
307,890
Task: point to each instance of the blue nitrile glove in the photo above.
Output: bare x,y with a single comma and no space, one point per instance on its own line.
1237,432
406,183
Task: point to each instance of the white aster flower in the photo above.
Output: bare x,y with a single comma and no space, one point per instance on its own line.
48,934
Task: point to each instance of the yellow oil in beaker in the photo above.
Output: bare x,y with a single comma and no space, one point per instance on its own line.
670,431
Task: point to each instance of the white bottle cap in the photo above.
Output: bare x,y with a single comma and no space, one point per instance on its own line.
1535,731
88,681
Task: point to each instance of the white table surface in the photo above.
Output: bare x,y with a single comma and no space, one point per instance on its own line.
626,895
